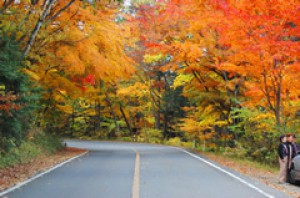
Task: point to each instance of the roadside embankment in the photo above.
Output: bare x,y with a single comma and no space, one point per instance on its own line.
13,175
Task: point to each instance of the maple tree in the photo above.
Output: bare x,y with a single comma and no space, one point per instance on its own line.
69,46
240,55
195,71
231,40
264,48
231,58
74,67
155,22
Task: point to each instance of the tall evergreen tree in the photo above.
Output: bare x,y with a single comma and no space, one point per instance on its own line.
18,99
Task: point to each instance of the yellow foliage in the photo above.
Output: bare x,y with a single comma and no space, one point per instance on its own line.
66,109
182,80
32,74
136,90
148,58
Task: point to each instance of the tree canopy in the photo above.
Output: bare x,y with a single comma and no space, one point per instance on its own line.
216,72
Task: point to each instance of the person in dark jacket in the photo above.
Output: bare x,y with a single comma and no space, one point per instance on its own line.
290,149
295,147
283,154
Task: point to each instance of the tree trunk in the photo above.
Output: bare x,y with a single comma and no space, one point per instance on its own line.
107,99
277,89
126,120
47,7
278,104
38,25
157,112
166,109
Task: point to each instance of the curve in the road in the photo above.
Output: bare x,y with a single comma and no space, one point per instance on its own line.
127,170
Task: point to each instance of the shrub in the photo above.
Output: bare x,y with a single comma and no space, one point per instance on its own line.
48,143
29,149
127,139
150,135
174,141
22,154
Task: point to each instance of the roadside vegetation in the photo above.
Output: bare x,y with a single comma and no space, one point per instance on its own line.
214,75
27,150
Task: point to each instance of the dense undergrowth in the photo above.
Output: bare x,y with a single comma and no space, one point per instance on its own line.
262,152
29,149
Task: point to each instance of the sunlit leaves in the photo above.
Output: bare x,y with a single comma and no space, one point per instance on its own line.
183,80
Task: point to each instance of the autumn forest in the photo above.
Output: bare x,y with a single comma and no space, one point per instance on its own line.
215,75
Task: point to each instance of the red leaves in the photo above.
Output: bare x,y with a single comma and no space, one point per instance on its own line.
7,103
158,84
88,80
149,45
143,38
83,82
221,4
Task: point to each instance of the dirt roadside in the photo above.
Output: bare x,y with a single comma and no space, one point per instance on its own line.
11,176
267,177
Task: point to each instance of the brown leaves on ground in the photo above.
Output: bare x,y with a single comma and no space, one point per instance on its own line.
267,177
11,176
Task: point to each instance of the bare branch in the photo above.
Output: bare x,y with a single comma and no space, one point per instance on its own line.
5,5
61,10
48,5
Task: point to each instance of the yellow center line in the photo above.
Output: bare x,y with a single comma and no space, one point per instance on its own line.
136,178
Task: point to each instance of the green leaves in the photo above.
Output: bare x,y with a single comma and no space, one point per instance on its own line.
19,100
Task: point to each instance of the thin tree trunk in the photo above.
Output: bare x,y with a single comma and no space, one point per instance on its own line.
166,109
73,119
5,5
277,89
38,25
47,7
126,120
62,10
107,99
278,103
97,114
157,113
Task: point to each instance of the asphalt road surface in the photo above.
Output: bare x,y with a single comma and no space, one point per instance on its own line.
127,170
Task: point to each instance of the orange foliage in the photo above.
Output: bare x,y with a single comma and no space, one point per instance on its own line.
253,46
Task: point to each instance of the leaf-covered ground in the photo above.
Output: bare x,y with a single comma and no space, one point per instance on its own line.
268,177
16,174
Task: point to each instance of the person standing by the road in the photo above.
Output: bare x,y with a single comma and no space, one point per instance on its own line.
283,159
290,149
294,144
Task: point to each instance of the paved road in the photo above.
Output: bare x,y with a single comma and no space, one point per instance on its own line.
125,170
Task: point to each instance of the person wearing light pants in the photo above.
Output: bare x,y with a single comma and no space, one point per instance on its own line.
283,159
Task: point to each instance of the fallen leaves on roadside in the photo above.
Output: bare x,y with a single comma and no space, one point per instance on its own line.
16,174
267,177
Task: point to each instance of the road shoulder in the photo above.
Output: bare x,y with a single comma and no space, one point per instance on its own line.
16,176
268,178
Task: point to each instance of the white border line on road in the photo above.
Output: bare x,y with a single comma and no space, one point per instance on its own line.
228,173
39,175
